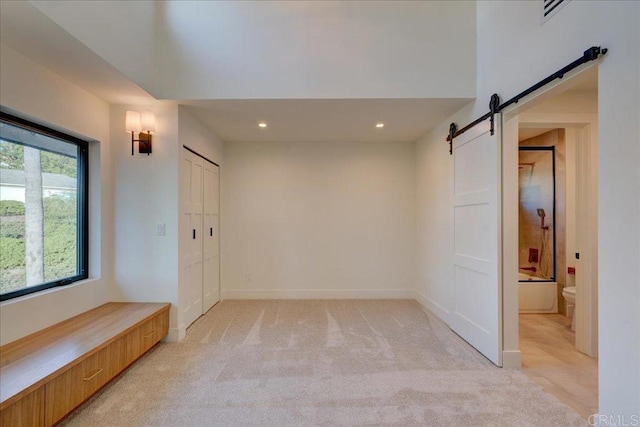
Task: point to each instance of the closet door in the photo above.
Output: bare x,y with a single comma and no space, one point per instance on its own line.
191,238
211,241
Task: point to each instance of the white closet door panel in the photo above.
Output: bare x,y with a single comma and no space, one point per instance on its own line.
215,247
192,238
216,190
186,311
211,281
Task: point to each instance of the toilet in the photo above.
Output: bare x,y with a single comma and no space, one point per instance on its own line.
569,294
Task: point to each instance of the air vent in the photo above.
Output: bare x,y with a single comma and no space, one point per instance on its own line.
551,7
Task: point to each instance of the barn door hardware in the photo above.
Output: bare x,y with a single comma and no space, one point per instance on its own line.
495,107
494,104
452,131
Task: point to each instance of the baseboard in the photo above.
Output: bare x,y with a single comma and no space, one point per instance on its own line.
318,294
512,359
175,335
432,306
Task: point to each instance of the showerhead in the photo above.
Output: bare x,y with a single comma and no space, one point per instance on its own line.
541,213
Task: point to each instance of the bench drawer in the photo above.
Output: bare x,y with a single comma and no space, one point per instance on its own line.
75,385
152,331
135,343
27,412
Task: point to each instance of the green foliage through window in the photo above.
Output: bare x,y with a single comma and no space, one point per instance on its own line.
11,207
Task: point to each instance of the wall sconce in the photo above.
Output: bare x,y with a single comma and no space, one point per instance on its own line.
145,124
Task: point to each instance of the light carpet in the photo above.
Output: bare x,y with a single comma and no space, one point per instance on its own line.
333,362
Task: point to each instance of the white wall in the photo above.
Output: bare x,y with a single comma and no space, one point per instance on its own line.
509,64
196,136
570,102
146,194
281,49
433,223
33,92
121,32
309,220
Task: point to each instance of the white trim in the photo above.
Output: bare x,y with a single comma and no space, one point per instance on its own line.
432,306
510,219
318,294
512,359
175,334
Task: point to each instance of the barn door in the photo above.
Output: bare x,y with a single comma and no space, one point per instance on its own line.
476,209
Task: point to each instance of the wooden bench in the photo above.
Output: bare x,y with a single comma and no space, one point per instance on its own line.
45,375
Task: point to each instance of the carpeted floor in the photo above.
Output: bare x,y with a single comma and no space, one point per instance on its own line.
343,362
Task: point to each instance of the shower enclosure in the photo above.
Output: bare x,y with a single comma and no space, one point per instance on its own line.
537,230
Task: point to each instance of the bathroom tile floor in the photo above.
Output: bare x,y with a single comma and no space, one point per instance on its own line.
551,360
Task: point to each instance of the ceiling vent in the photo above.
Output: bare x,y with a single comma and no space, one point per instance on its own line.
550,8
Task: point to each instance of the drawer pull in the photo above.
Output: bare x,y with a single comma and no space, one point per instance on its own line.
94,375
150,335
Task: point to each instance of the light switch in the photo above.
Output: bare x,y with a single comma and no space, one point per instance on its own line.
160,229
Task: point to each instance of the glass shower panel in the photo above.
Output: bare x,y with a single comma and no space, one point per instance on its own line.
537,242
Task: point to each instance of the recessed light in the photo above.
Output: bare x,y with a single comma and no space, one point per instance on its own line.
379,125
262,124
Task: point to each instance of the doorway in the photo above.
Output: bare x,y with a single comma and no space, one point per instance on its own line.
557,331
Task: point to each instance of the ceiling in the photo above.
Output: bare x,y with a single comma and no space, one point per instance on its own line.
323,120
528,133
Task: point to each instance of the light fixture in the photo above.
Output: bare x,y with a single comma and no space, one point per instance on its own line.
145,124
262,124
379,125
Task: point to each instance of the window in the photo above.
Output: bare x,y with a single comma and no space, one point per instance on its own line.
43,208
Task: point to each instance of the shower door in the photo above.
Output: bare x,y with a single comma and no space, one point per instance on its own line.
537,213
476,211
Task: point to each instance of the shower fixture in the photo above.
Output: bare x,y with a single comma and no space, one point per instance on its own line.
542,214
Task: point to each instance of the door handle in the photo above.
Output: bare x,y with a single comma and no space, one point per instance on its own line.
194,233
211,231
95,374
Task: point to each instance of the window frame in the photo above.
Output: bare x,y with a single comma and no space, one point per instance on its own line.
82,214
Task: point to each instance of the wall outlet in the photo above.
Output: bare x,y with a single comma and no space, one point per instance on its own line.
160,229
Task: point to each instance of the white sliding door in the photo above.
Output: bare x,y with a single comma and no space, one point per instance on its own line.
476,209
211,240
191,250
